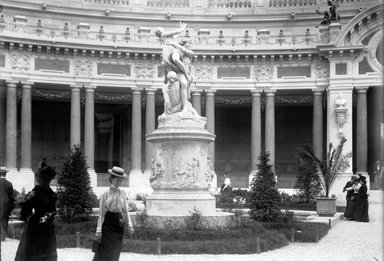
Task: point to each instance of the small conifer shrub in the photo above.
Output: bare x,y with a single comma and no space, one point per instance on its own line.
265,198
74,192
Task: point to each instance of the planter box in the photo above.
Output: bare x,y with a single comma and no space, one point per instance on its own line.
326,207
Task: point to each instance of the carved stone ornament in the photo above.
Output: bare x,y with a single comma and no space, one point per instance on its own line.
320,70
145,70
82,67
20,61
263,72
341,114
203,71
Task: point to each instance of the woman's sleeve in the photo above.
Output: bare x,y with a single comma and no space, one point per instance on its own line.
126,210
101,212
27,206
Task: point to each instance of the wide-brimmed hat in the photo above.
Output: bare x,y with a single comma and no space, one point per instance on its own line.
118,172
3,169
363,178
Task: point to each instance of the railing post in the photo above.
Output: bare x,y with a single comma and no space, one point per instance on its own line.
78,239
158,246
258,247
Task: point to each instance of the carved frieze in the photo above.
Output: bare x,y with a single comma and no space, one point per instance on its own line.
203,71
145,70
82,67
320,69
263,72
20,61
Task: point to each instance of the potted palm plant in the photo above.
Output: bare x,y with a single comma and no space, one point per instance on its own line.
329,169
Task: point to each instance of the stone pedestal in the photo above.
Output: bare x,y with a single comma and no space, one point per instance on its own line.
334,31
324,32
180,173
25,178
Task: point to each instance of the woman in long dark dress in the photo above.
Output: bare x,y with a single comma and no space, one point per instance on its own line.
113,216
360,210
38,241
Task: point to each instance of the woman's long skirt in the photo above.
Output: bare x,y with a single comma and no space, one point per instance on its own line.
38,241
360,211
349,208
111,239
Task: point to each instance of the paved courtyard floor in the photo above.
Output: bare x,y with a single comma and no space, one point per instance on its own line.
346,241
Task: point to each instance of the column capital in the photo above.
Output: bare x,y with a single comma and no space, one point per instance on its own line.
136,90
12,84
270,93
90,87
76,86
210,92
150,91
362,89
196,92
26,85
256,92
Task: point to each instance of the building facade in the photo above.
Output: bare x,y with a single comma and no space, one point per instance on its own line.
267,76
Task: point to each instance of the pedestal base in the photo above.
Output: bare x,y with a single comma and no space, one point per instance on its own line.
168,202
25,178
92,177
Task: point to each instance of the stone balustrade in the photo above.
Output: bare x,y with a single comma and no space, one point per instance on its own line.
122,36
195,6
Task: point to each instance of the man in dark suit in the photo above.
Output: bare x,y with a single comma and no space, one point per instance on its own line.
7,202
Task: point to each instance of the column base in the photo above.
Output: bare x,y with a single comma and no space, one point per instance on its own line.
139,183
92,177
25,178
250,177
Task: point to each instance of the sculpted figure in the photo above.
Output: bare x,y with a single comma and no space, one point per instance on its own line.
176,59
332,15
175,96
173,51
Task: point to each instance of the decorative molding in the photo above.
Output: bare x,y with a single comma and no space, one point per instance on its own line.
203,71
263,72
320,69
144,70
83,67
20,61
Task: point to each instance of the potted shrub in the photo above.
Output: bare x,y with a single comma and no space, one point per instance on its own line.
329,169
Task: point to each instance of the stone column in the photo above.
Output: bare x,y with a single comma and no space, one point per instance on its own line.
196,100
3,110
210,115
26,127
270,126
75,116
136,175
150,123
26,176
361,131
255,133
317,125
11,128
89,130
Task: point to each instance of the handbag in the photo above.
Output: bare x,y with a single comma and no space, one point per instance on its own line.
96,246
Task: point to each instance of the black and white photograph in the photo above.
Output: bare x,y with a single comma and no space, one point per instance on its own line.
192,130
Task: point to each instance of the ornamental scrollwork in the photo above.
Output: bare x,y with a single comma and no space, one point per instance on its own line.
203,71
83,67
145,70
263,72
20,61
320,69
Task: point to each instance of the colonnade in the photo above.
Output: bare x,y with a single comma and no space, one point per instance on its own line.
136,172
